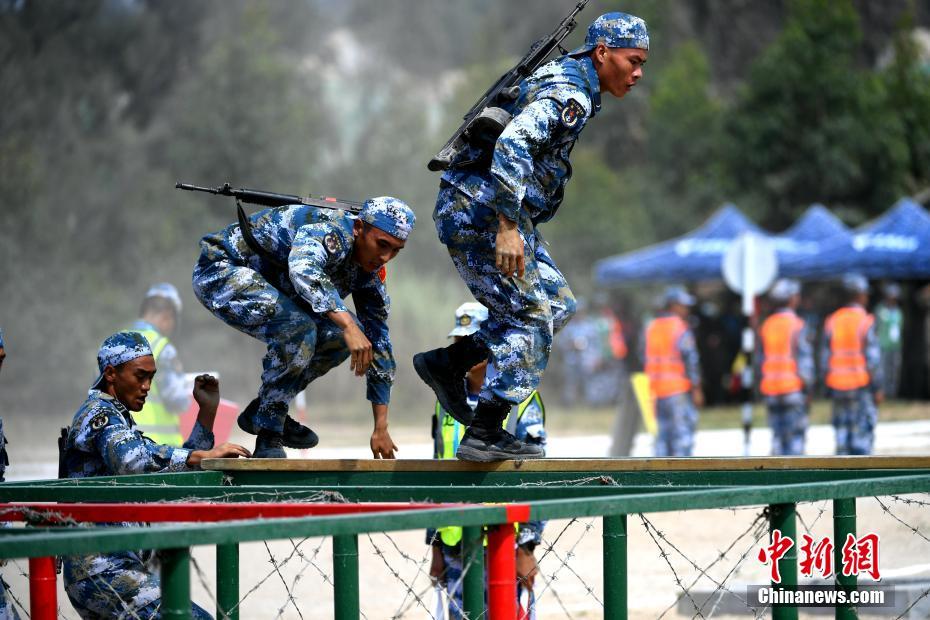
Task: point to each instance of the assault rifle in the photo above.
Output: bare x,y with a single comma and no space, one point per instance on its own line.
485,121
273,199
268,199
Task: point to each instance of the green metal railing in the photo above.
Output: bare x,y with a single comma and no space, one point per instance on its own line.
553,489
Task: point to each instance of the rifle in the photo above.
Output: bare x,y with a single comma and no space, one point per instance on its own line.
268,199
485,121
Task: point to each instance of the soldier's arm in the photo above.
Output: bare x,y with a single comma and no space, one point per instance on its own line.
372,306
805,358
126,451
536,126
315,247
689,354
873,358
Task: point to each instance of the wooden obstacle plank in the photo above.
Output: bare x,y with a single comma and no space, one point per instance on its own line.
573,465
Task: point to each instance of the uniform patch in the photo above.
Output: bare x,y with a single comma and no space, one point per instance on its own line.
572,113
332,243
98,421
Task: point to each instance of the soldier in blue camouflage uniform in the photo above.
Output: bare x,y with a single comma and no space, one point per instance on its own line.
488,208
102,441
299,312
788,412
526,422
7,611
853,376
676,408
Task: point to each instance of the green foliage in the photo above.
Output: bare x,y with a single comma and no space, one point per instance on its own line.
808,126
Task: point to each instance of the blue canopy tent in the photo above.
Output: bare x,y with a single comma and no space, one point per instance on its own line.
894,246
802,241
693,257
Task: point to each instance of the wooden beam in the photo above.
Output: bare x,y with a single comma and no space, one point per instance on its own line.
574,465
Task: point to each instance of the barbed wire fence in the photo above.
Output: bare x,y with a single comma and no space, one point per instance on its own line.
702,557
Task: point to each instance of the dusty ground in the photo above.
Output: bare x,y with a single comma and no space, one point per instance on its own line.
571,583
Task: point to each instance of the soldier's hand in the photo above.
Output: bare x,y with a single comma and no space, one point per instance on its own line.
526,568
207,391
360,349
223,451
437,566
697,396
508,249
382,446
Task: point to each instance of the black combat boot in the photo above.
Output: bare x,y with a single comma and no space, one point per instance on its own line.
444,371
269,445
485,441
296,435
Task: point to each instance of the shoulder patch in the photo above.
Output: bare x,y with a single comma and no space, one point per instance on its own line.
98,421
572,113
332,243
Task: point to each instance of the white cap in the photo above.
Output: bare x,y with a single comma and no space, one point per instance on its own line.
167,291
784,289
468,318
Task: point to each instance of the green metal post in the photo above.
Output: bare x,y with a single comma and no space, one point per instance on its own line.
345,576
783,519
473,580
844,523
615,567
176,584
227,581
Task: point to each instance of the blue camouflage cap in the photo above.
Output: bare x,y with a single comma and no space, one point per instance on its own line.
615,30
120,348
389,214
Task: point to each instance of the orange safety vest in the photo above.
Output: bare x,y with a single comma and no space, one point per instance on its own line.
779,368
664,364
847,328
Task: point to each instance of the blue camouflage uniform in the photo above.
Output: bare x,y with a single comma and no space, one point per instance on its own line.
526,422
676,416
525,183
255,297
102,441
788,413
524,179
855,414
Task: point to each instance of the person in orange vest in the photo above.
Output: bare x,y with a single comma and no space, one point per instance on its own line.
851,359
673,367
786,362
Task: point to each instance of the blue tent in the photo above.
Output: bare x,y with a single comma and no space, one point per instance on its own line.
894,246
693,257
802,241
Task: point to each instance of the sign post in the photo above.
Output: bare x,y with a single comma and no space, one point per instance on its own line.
749,267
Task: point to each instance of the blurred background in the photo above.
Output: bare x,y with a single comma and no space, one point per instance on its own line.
106,104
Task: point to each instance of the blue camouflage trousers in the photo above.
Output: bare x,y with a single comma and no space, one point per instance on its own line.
788,420
676,418
523,313
302,345
126,589
7,611
854,419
